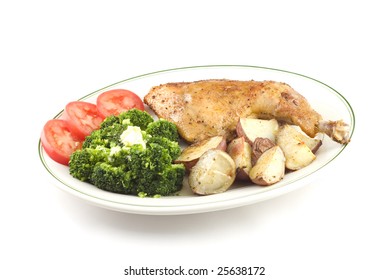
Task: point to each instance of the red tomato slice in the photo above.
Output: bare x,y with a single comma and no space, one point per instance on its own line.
58,141
116,101
82,117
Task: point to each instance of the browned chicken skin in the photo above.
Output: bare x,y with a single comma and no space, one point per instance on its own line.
207,108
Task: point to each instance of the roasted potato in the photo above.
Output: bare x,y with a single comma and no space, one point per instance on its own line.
260,145
312,143
240,151
297,153
191,154
214,172
269,168
251,129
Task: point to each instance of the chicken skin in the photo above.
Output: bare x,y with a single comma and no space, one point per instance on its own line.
207,108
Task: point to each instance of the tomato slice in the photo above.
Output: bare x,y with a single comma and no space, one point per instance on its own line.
82,117
58,141
116,101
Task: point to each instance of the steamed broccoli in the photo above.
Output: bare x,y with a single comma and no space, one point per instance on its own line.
83,161
165,183
108,177
146,172
136,117
163,128
131,154
173,147
108,121
106,137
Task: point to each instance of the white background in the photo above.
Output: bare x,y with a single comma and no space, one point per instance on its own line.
52,52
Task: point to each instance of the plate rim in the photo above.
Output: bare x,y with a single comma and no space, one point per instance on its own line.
197,207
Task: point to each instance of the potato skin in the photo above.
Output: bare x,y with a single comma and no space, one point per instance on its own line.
240,151
260,145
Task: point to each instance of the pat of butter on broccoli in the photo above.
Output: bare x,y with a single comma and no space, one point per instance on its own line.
131,136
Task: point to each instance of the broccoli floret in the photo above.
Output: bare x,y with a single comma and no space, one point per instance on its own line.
83,161
108,136
108,121
119,156
154,159
136,117
179,171
173,148
168,182
112,133
151,171
163,128
109,178
94,140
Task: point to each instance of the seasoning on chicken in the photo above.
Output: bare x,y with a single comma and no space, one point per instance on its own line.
207,108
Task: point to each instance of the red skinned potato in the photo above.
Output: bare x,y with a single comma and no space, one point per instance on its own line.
259,146
297,153
269,168
191,154
240,151
214,172
251,129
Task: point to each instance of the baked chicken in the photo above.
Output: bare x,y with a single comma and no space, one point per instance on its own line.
207,108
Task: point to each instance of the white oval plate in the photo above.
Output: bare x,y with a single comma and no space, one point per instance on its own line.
324,99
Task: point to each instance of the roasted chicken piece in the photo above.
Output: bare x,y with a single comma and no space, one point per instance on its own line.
206,108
